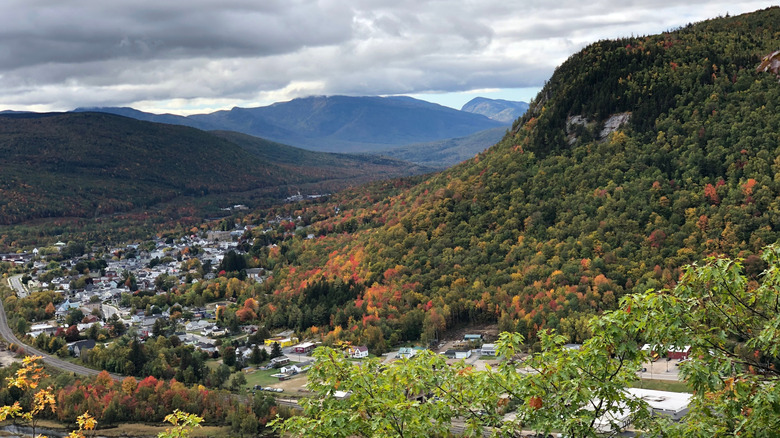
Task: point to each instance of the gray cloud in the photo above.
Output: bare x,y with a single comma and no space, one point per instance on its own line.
209,54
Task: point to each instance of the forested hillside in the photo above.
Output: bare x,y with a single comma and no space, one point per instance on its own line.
561,217
446,153
323,165
91,164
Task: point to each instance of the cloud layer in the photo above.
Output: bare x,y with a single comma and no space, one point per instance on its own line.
202,55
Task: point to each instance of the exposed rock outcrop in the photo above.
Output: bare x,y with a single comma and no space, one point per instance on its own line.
770,63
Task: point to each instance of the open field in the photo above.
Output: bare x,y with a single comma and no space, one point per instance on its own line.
662,385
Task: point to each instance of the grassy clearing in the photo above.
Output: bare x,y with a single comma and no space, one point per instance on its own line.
213,364
261,377
662,385
487,358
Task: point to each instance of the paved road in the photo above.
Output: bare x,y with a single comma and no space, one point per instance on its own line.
109,310
660,370
15,281
9,336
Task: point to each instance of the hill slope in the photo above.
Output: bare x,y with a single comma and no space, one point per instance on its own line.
442,154
561,218
88,164
337,123
171,119
353,167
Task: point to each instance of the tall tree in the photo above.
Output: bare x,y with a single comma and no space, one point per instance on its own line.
276,350
256,357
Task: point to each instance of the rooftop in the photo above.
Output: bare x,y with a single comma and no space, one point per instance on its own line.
663,400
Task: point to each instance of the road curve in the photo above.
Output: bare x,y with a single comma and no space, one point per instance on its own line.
8,334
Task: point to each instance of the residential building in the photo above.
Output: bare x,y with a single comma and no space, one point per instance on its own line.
358,352
79,347
406,352
278,362
304,348
488,350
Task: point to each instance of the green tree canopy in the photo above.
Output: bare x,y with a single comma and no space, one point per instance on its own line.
731,322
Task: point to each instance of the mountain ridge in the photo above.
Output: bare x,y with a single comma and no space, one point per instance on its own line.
335,123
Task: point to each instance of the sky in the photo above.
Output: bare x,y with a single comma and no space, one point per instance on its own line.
199,56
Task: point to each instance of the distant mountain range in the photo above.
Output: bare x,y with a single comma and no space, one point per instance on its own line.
340,123
504,111
91,164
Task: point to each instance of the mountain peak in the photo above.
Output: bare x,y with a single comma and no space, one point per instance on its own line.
505,111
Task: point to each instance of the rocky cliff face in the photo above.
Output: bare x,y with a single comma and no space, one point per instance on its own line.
770,63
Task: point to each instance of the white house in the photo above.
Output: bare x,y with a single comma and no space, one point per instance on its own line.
488,350
406,352
290,369
278,362
358,352
37,329
463,354
194,326
218,332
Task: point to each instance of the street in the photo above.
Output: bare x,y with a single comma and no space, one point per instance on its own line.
15,281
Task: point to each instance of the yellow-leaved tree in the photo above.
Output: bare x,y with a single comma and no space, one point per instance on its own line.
29,376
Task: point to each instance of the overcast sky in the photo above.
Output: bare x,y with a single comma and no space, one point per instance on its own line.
196,56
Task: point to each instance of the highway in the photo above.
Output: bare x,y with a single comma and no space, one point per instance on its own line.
8,334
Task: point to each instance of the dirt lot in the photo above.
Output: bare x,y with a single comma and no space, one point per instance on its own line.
7,357
293,386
